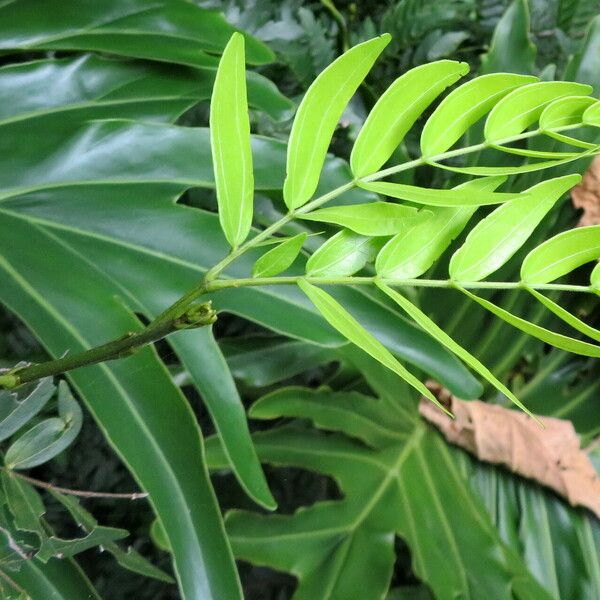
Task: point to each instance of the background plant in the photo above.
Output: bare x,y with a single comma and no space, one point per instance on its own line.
148,266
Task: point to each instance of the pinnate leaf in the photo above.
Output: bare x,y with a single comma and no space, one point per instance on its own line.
465,106
561,254
318,116
278,259
230,143
495,239
397,110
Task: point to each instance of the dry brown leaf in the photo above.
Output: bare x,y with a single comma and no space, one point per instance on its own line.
586,195
494,434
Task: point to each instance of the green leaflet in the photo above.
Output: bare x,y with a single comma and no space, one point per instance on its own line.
457,196
566,316
550,337
318,116
441,336
397,110
351,329
595,279
465,106
410,254
561,254
374,218
494,240
523,107
278,259
343,254
566,112
592,115
230,144
48,438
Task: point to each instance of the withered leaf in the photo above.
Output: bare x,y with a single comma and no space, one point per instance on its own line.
586,195
551,456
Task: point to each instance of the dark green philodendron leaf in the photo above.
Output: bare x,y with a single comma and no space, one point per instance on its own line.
385,465
397,110
129,559
278,259
14,413
174,31
48,438
550,337
458,196
566,316
318,115
495,239
465,106
524,106
561,254
345,253
335,314
439,334
410,254
230,143
372,219
565,113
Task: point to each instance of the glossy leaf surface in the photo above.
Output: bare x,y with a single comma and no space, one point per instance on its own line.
278,259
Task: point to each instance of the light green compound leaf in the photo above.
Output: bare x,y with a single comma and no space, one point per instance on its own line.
14,413
230,143
465,106
566,112
374,218
595,279
550,337
495,239
45,440
397,110
566,316
278,259
561,254
457,196
410,254
318,116
523,107
343,254
335,314
592,115
443,338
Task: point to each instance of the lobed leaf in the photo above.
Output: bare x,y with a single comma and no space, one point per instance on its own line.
318,115
550,337
465,106
523,107
561,254
410,254
441,336
397,110
230,144
278,259
495,239
372,219
457,196
343,254
351,329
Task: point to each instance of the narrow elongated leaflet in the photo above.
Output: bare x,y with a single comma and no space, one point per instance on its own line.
595,279
550,337
457,196
492,242
230,144
523,107
592,114
318,116
343,254
561,254
566,112
335,314
397,110
410,254
443,338
566,316
278,259
465,106
374,218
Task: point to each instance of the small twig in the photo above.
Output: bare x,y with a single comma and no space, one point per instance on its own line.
81,493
